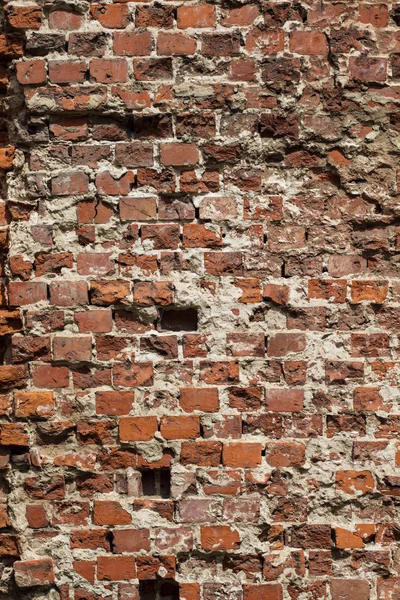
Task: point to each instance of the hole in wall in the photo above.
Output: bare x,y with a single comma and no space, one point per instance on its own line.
156,482
179,320
158,590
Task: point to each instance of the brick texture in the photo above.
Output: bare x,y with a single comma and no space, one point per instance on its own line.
200,300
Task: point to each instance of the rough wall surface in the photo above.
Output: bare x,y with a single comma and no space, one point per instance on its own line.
200,301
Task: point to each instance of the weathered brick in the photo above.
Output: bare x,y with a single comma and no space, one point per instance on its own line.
33,573
308,43
350,588
31,72
178,155
203,15
132,43
199,281
111,16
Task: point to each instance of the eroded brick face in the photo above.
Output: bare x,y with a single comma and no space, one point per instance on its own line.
200,287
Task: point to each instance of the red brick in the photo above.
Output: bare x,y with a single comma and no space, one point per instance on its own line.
265,591
91,157
172,538
67,21
149,567
133,375
89,539
112,16
33,404
24,17
61,71
218,208
374,14
33,573
13,376
366,68
134,155
282,344
131,540
104,293
28,348
94,263
340,372
219,537
110,512
36,516
217,373
74,513
48,262
281,400
31,72
137,429
107,184
220,44
241,16
165,346
68,293
50,376
202,15
104,70
201,236
202,399
350,588
161,236
86,569
114,403
132,43
153,69
285,454
4,518
7,157
367,399
160,16
308,43
20,267
347,539
69,128
180,427
70,183
25,293
116,568
242,455
13,434
175,44
148,293
72,349
245,344
352,482
138,209
94,321
243,70
201,453
264,41
326,289
311,536
178,155
369,291
373,344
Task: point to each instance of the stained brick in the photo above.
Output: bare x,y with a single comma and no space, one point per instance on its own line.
199,279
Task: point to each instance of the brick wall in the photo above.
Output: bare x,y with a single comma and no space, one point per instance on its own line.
200,300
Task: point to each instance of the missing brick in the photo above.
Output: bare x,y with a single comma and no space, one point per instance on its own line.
158,590
179,320
156,483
